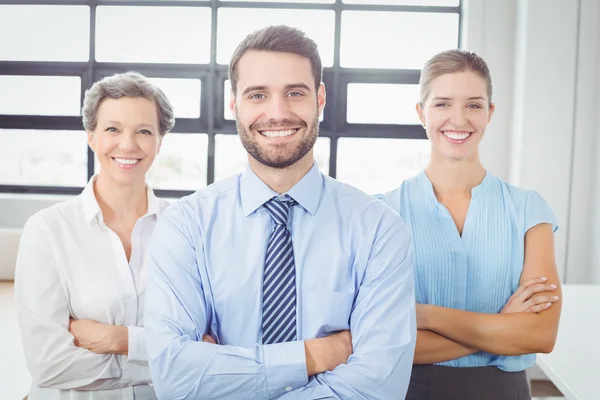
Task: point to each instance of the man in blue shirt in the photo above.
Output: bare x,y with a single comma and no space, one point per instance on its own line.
280,282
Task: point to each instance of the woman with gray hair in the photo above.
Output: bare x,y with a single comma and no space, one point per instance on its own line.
81,268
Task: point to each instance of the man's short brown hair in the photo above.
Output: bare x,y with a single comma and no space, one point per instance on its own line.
279,38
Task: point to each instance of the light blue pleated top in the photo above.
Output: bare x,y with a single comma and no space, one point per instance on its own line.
479,270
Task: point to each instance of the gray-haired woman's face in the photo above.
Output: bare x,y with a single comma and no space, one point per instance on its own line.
126,139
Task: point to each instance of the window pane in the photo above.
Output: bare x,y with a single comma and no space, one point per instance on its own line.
382,103
235,23
227,112
181,163
33,33
40,95
321,153
231,157
184,95
153,34
380,165
449,3
396,40
46,158
285,1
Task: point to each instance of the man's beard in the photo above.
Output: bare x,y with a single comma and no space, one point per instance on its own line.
279,159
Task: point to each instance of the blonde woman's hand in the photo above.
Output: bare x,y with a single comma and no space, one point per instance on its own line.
525,298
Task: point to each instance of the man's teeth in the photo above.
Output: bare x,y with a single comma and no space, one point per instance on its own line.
456,135
278,133
128,161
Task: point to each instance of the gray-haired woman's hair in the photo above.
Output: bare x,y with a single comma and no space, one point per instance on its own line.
129,84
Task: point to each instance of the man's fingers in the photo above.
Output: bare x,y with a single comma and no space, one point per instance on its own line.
208,339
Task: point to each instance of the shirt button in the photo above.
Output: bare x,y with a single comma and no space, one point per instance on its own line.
288,388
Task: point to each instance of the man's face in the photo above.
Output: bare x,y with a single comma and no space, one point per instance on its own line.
277,107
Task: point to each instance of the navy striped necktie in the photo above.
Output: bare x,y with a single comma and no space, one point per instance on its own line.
279,280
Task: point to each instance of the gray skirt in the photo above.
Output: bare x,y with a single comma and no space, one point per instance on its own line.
434,382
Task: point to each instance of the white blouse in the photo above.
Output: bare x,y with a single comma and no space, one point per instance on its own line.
70,264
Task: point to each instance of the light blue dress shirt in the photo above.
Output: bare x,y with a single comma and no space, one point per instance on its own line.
354,270
481,269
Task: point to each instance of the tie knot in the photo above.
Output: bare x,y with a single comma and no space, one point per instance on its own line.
279,208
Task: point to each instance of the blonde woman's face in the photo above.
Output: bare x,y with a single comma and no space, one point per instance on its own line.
126,139
456,113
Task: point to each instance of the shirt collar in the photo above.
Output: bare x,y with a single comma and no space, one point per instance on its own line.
426,185
307,192
91,208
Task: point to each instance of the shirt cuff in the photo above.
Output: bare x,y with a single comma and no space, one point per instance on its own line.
285,365
136,351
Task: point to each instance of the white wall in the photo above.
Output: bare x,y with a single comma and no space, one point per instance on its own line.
594,274
593,210
15,209
489,30
543,106
583,214
544,58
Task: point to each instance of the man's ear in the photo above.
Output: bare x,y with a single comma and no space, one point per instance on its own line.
321,98
232,104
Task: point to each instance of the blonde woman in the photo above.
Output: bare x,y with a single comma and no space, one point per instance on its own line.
81,269
487,287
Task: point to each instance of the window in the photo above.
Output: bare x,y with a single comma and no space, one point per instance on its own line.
398,39
380,165
372,52
181,163
235,23
40,95
382,103
406,2
34,34
184,95
43,158
153,34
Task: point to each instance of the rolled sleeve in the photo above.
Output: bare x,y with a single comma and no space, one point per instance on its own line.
285,365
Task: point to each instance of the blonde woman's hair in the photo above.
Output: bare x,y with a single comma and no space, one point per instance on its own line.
449,62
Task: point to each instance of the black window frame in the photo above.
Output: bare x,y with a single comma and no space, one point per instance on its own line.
213,76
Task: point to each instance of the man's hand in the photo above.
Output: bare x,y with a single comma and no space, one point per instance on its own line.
208,339
524,299
99,338
324,354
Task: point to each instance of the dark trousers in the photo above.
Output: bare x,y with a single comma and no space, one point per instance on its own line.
434,382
